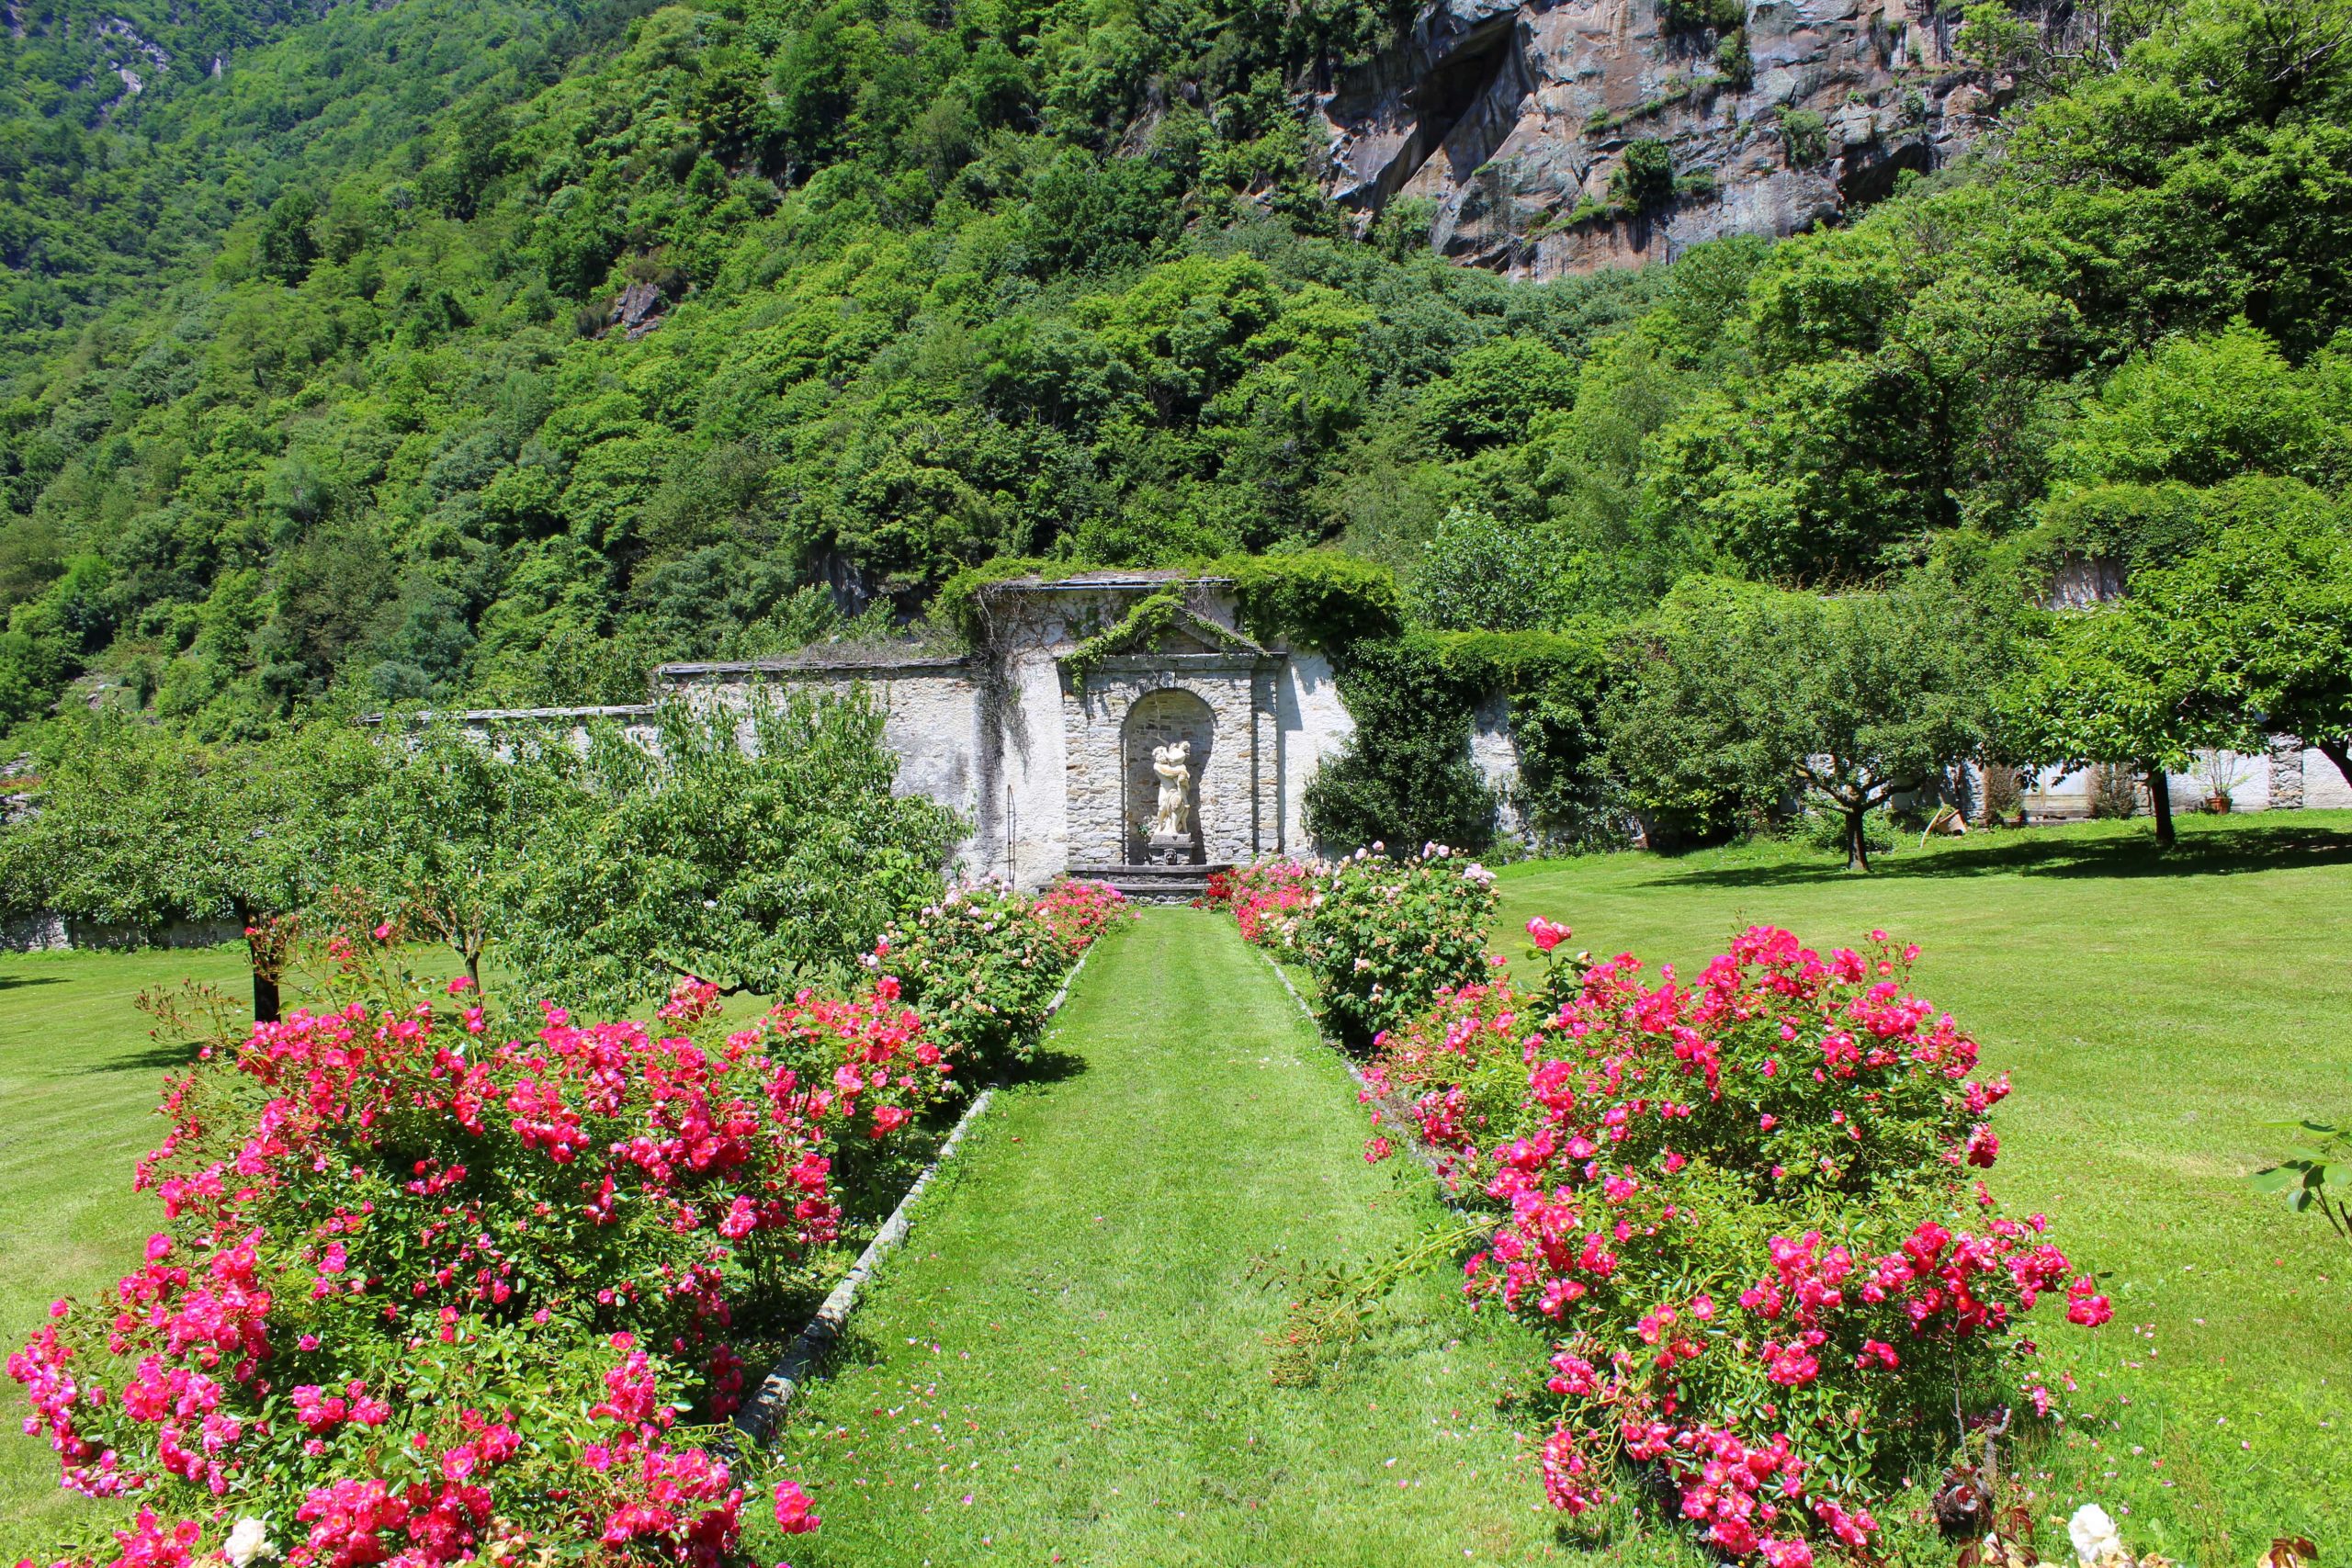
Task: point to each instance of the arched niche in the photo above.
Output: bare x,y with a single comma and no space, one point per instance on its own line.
1157,719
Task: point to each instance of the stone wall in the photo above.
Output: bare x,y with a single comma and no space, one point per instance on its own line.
933,721
1496,756
43,934
2286,777
1310,724
2324,785
1041,774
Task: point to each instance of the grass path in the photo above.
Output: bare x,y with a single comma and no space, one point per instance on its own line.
1071,1362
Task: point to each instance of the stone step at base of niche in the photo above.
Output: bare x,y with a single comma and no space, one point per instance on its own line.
1154,883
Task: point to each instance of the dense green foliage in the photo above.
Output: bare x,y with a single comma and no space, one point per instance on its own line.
1405,773
140,825
760,851
549,342
111,192
2246,627
909,317
1743,697
754,850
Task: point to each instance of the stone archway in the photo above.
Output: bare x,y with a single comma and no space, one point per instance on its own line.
1157,719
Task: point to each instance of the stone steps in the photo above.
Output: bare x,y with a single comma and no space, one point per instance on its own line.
1154,883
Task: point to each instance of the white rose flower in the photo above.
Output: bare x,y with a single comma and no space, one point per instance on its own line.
2094,1534
248,1540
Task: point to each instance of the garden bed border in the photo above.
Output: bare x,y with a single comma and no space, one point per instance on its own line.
764,1413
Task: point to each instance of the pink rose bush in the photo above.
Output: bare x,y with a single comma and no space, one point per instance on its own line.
1270,899
1745,1213
1078,912
1383,937
425,1295
984,963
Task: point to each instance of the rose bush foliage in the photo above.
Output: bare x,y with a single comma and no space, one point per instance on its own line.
1745,1213
984,962
425,1294
1745,1216
1270,899
1384,937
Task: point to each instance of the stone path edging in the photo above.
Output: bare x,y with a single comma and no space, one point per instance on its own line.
759,1418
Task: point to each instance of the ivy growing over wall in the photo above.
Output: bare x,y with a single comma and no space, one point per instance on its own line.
1309,600
1405,777
1159,613
1555,683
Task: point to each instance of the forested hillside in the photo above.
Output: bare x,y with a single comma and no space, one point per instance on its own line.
539,343
134,132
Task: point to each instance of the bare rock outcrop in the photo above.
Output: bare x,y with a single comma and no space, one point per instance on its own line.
1519,119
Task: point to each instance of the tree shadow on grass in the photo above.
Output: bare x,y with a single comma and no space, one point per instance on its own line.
2201,852
159,1058
10,982
1050,1067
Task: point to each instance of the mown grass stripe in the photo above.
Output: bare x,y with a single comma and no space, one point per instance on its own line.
1076,1358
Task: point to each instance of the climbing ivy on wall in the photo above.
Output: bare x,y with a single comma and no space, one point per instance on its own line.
1555,682
1151,618
1308,600
1404,776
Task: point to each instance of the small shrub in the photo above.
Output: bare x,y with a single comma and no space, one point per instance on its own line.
2115,794
1078,912
1384,937
1734,61
1694,16
1269,900
1804,137
1645,181
2319,1178
983,964
1699,184
2004,793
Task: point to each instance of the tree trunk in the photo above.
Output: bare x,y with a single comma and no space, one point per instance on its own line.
2338,751
1858,852
473,968
265,1003
2160,802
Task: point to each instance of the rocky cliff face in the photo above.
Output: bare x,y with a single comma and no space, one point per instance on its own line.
1561,136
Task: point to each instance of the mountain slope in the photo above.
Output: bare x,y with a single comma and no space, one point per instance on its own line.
762,311
134,132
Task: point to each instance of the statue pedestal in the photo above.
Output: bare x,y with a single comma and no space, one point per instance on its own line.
1169,849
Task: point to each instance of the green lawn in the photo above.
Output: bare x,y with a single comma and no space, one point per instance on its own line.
2153,1013
78,1079
1079,1337
1071,1363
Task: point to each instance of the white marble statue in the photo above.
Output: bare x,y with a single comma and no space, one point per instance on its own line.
1173,764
